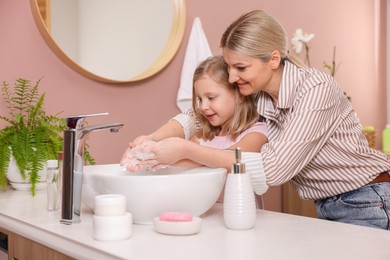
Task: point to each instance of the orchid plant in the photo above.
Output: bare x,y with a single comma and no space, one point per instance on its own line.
332,67
300,41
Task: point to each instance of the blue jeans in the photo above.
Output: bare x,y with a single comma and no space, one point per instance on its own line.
367,206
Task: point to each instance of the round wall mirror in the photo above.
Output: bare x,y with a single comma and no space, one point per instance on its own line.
112,41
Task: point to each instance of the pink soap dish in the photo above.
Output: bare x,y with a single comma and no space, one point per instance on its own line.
178,228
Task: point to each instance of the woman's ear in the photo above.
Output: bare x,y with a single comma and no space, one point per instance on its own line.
275,59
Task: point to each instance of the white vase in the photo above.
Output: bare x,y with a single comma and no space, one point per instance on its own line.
17,182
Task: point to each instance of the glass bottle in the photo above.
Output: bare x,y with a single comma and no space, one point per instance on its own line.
52,182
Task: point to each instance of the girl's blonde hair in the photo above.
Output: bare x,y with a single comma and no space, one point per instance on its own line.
257,34
245,108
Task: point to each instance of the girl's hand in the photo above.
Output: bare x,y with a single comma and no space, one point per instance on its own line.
140,140
137,141
136,152
151,155
169,150
166,152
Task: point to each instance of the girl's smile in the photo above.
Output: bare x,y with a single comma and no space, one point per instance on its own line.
210,117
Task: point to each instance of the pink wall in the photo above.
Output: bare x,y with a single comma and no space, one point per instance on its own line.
143,106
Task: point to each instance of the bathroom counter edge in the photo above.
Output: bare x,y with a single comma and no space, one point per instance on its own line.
276,236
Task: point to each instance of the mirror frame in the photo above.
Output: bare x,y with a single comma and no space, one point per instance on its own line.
169,51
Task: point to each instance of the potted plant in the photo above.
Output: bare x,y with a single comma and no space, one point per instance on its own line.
31,137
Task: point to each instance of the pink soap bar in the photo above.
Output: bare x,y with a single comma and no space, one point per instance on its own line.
176,216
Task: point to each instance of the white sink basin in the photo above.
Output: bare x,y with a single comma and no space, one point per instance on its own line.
150,193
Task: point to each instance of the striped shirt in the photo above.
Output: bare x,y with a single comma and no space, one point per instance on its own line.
315,139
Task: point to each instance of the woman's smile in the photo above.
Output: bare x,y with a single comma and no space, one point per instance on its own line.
243,84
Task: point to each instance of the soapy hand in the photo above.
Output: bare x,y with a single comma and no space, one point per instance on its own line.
136,154
140,140
151,155
129,160
166,152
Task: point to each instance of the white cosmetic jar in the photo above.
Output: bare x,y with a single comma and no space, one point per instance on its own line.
112,228
110,205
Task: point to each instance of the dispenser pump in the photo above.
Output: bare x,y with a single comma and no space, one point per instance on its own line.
238,167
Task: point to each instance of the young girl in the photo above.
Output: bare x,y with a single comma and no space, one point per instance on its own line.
225,119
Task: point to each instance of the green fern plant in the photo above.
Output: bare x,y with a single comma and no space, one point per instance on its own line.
32,137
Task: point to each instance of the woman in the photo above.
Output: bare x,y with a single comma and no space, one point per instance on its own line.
315,138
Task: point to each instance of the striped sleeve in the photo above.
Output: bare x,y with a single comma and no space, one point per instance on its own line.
186,120
254,167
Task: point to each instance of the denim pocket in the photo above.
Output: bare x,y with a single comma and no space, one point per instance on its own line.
361,198
367,206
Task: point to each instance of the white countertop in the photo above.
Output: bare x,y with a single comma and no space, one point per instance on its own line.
276,236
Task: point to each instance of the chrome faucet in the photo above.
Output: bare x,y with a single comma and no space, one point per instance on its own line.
73,163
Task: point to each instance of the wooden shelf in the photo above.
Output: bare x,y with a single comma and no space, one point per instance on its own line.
21,248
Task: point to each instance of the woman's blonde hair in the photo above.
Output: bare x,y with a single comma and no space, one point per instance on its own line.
245,108
257,34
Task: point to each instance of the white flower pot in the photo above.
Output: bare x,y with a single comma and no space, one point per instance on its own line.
17,182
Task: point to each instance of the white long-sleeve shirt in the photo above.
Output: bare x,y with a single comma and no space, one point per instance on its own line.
315,138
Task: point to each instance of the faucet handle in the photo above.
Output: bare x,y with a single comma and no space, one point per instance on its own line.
76,122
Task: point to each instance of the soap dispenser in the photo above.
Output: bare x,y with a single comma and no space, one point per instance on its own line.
239,206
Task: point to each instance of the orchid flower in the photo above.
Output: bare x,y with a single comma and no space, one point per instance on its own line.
300,40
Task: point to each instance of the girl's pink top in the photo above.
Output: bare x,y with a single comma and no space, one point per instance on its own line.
224,142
